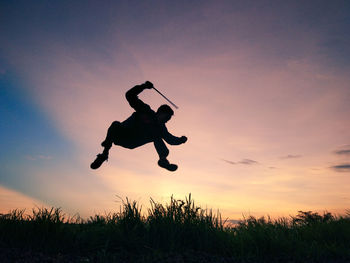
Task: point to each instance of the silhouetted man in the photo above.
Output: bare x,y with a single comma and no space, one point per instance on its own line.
142,127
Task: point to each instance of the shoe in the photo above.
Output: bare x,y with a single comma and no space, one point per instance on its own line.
99,160
164,163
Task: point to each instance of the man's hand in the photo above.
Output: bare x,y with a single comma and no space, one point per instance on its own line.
184,139
148,85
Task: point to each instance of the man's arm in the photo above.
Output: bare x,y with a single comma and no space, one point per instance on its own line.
132,96
171,139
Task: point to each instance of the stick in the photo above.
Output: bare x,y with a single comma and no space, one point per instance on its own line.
165,98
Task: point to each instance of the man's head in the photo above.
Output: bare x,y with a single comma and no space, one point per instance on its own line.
164,113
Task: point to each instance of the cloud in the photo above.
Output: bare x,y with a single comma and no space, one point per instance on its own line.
344,151
230,162
291,156
340,152
243,161
248,162
341,167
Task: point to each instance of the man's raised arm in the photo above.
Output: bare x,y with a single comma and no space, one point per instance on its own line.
132,96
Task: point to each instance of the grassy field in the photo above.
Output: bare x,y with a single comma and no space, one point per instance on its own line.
178,231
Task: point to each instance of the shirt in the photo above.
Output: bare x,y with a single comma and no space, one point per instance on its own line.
143,126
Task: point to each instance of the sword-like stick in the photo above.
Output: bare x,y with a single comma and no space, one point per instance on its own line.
165,98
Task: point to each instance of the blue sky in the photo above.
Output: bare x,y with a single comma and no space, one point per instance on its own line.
30,140
266,81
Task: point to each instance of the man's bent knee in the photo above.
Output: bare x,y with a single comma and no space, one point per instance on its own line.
115,124
113,131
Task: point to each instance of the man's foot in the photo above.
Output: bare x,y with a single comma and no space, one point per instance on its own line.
164,163
99,160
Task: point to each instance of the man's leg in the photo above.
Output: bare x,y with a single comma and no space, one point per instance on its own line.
163,152
107,144
111,136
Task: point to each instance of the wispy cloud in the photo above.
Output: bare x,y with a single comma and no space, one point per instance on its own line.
291,156
248,162
230,162
341,167
243,161
344,151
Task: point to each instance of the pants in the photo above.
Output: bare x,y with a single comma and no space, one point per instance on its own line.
119,136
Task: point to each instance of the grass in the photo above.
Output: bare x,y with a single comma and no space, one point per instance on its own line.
179,229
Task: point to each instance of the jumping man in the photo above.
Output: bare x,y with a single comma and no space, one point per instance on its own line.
142,127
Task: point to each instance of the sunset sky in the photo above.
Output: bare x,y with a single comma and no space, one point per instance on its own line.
263,89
